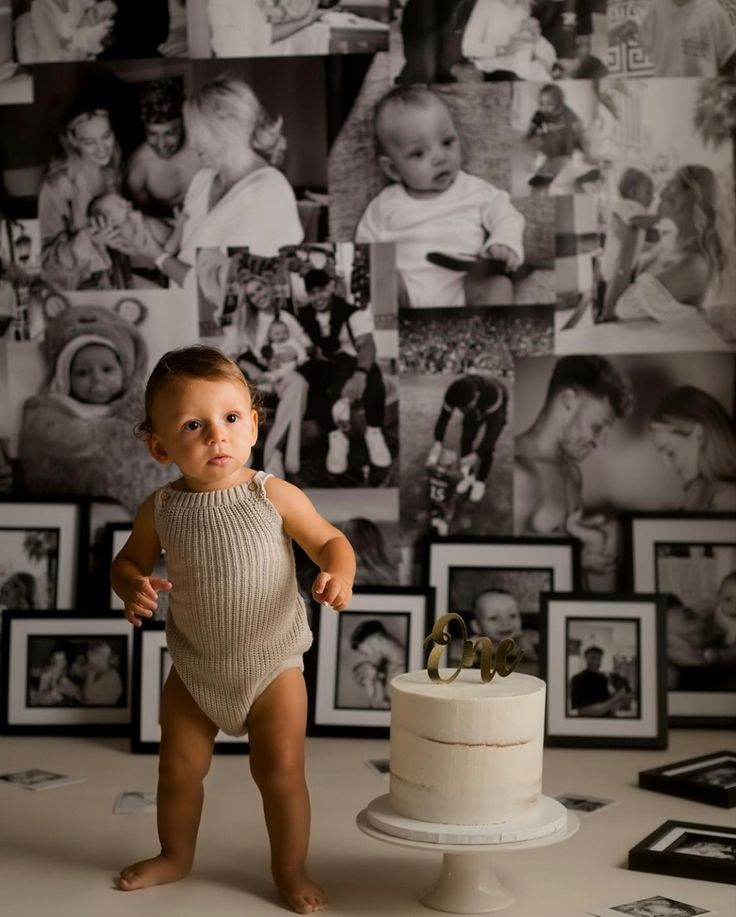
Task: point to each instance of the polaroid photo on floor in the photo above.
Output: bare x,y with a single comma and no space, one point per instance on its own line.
38,779
134,802
379,766
653,906
584,805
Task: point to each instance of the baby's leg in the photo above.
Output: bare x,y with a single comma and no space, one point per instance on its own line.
276,728
187,738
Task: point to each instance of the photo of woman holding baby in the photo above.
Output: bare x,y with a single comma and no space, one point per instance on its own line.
77,252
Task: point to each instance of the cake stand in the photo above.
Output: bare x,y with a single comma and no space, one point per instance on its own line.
467,883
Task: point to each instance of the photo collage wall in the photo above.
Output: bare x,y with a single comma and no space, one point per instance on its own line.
476,255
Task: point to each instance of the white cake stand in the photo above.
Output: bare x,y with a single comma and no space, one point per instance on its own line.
467,883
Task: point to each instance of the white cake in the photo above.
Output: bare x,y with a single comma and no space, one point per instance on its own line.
467,752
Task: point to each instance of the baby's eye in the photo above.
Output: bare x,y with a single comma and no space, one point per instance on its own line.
231,417
449,141
416,154
192,425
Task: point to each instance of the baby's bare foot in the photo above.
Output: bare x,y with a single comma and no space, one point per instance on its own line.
155,871
302,894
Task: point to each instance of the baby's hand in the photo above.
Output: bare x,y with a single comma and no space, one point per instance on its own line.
332,589
141,598
505,254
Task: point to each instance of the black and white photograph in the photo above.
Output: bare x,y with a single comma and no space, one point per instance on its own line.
40,554
495,585
16,82
603,658
690,560
600,435
660,277
461,240
20,279
650,38
688,849
456,388
379,766
134,802
359,651
603,668
67,674
434,42
584,806
151,666
654,906
35,778
48,31
304,329
282,28
708,778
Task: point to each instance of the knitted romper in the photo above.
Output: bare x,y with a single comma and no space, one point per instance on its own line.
236,619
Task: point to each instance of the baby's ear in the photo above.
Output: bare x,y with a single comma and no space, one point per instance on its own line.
157,450
388,168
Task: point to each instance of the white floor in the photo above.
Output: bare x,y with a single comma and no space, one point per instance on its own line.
59,849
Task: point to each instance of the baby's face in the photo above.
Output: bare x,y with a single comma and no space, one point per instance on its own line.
644,193
497,616
422,148
727,598
95,376
278,333
548,104
115,209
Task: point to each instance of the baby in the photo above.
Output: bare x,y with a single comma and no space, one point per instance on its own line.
558,134
134,227
724,623
287,351
627,220
432,206
89,376
496,615
500,35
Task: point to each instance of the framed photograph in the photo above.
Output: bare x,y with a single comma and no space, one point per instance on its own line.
116,534
495,584
359,651
66,674
151,664
688,849
710,778
691,561
40,557
602,657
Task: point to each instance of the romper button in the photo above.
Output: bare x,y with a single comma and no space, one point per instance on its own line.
164,496
252,486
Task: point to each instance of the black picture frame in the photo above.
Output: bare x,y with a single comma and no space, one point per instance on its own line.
27,637
664,851
700,693
150,666
455,564
688,779
340,698
576,624
64,516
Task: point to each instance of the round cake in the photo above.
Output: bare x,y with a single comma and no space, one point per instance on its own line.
466,752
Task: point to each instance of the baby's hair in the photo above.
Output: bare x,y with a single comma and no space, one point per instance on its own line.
631,179
492,590
397,98
366,629
728,578
552,89
194,362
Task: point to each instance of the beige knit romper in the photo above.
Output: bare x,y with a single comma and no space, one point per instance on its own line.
236,617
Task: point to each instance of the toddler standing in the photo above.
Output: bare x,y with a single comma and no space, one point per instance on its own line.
237,626
431,206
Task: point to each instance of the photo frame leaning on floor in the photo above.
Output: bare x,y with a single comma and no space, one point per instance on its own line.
65,673
151,664
495,584
691,560
688,849
359,651
41,561
603,657
708,778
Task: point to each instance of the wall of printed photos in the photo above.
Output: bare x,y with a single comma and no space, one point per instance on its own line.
595,245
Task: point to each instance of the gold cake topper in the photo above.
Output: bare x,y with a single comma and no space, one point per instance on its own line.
490,665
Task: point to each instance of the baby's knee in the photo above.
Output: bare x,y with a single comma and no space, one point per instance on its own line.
276,771
178,765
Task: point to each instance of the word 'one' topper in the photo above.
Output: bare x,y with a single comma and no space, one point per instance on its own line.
490,664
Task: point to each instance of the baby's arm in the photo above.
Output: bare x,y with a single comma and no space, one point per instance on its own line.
325,545
131,570
505,227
